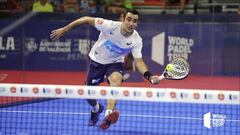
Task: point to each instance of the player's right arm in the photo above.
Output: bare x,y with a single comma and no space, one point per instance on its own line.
57,33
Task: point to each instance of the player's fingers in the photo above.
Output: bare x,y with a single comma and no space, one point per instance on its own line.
155,77
53,34
55,38
56,34
154,81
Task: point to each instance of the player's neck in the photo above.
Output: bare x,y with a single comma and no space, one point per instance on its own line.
124,32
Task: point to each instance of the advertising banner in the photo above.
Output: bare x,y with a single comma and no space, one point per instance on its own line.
203,45
206,46
30,48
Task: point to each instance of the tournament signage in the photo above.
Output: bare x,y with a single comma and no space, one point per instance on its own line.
207,51
10,52
179,47
28,49
122,93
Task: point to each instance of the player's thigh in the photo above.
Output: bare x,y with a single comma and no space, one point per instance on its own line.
115,73
96,73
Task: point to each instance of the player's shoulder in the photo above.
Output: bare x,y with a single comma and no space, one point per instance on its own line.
136,36
103,20
108,22
116,24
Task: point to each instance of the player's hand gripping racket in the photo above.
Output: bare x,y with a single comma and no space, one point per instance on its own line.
177,69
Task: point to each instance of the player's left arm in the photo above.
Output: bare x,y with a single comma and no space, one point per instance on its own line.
57,33
143,69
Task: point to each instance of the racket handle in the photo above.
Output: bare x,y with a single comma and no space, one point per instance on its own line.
161,77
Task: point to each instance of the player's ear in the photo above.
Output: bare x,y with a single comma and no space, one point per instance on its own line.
122,18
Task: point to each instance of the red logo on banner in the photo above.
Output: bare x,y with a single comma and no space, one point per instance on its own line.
13,89
149,94
126,93
81,92
58,90
103,92
173,94
196,95
221,96
35,90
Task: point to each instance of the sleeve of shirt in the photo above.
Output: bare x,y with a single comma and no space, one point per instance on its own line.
137,49
103,24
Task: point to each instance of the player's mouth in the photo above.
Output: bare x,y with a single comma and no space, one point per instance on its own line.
130,29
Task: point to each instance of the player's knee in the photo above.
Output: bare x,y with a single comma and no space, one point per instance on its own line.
115,80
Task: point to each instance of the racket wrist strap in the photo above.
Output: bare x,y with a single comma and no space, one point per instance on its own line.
148,75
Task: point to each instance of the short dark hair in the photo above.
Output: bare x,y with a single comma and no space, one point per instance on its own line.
133,11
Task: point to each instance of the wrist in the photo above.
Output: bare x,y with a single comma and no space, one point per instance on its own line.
65,29
148,75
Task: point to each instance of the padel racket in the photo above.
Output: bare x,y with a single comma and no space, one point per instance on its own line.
179,69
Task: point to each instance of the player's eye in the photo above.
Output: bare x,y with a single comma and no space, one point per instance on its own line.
129,19
135,20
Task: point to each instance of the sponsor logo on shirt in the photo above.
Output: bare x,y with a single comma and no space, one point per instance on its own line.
115,49
129,43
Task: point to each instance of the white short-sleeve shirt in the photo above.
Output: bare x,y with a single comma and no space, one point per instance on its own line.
112,46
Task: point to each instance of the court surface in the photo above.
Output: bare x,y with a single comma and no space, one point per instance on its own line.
70,116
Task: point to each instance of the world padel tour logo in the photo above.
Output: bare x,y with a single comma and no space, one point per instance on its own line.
213,120
176,46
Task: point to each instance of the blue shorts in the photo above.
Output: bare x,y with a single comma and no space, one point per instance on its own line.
97,71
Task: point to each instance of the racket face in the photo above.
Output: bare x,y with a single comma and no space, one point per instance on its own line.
180,70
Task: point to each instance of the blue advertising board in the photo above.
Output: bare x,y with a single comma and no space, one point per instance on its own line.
205,45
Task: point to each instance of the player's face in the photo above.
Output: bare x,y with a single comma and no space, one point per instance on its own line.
130,22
